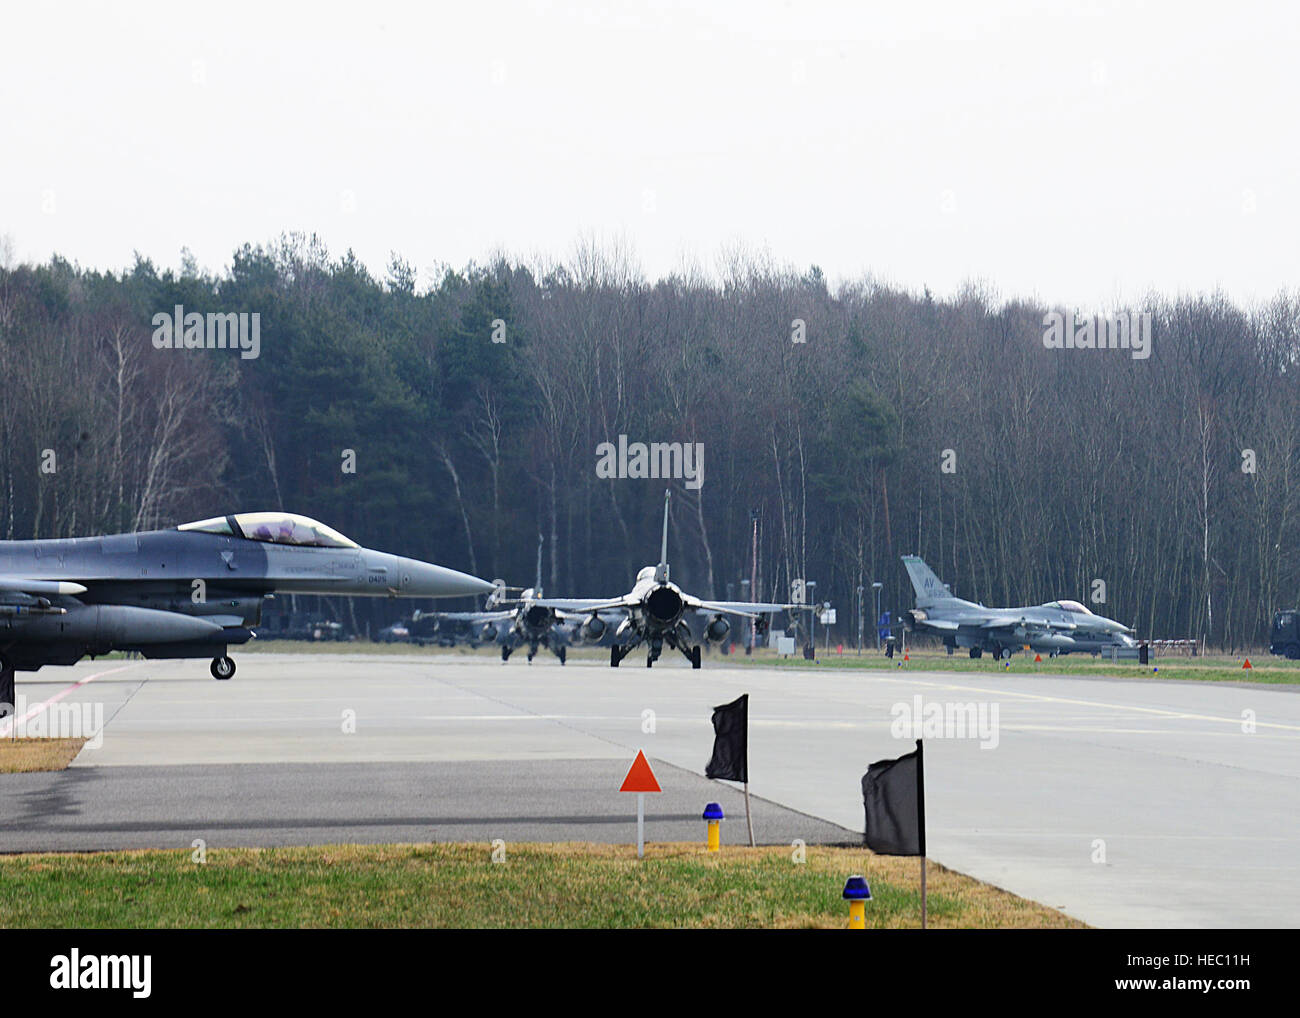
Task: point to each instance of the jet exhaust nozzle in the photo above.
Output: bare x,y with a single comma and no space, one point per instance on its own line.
537,617
664,605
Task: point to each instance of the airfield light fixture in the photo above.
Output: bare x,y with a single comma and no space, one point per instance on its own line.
713,814
857,893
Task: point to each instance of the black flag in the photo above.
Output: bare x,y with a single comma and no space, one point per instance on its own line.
893,792
730,759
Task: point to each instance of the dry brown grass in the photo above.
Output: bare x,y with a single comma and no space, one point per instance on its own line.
21,756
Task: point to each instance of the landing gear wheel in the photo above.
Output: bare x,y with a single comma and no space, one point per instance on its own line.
695,657
563,654
222,668
1005,654
649,661
505,653
614,656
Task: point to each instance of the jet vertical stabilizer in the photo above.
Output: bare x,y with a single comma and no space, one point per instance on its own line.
929,588
661,573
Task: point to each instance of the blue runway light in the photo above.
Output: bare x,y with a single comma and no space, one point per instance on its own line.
856,889
712,811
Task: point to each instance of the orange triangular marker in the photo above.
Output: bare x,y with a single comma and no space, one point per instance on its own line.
1037,658
1248,664
906,658
640,778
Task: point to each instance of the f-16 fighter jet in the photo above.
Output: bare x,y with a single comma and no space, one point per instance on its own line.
1058,627
526,622
185,593
656,613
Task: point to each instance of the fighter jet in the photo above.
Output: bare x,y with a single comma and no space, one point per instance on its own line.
656,613
526,622
1058,627
185,593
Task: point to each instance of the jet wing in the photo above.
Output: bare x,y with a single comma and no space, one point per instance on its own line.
749,609
473,616
581,605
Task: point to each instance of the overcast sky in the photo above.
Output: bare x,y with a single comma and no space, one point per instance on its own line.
1081,153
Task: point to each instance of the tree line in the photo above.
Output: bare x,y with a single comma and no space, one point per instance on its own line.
459,420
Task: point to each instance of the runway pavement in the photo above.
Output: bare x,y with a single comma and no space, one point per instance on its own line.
1125,803
223,805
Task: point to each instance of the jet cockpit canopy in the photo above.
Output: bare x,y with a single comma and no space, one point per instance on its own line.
1071,606
274,528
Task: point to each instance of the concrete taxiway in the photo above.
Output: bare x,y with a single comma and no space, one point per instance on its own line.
1122,802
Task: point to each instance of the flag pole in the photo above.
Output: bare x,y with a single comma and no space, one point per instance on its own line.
920,812
749,820
922,892
640,825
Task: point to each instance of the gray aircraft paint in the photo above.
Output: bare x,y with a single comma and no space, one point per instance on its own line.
657,611
178,593
1049,627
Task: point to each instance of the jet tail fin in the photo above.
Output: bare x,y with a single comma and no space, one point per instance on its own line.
929,588
540,541
661,572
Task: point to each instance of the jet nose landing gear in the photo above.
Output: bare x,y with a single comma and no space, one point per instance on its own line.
222,667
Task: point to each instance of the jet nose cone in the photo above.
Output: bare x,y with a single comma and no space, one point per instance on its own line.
424,579
455,584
